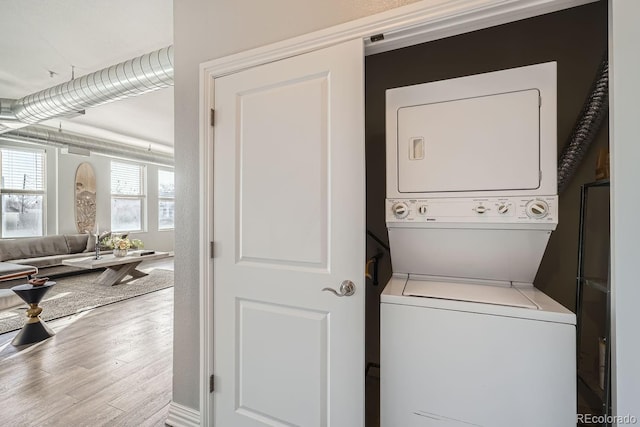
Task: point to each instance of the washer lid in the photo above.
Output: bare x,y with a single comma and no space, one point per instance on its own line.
482,293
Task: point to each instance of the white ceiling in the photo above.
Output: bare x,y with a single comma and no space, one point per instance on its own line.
39,36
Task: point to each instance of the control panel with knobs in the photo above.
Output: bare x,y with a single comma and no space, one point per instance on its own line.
400,210
486,210
537,209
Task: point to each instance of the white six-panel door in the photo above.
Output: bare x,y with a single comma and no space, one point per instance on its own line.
289,220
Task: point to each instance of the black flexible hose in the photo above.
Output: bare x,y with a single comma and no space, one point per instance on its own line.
586,128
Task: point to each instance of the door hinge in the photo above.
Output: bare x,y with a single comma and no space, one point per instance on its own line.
211,384
212,117
211,249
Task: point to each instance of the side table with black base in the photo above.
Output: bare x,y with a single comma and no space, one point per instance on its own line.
34,329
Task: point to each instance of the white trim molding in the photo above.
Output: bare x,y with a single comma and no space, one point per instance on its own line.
207,246
182,416
408,25
404,26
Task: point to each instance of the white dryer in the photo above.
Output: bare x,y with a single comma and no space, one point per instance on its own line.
466,339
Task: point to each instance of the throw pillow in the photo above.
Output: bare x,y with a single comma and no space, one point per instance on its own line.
91,242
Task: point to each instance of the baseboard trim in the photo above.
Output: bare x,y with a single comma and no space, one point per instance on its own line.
182,416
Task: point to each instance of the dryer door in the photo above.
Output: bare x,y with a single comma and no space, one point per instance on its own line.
474,144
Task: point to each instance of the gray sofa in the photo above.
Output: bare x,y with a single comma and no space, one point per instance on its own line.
47,253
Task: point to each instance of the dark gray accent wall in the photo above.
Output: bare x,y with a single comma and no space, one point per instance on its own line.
575,38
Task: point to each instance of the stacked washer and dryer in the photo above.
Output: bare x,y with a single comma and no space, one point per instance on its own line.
466,339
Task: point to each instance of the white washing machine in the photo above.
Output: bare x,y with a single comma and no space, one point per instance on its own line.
505,361
466,339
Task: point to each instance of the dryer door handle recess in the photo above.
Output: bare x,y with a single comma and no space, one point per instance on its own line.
347,288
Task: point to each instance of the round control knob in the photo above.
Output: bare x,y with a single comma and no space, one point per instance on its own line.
480,209
400,210
422,209
537,209
503,209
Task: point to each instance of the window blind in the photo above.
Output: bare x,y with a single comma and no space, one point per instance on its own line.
126,179
166,186
22,170
166,203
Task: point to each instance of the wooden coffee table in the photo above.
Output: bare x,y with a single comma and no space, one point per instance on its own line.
117,268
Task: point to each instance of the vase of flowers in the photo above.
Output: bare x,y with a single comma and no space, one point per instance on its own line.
121,244
120,252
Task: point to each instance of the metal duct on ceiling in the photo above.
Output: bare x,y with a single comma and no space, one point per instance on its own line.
49,136
136,76
6,113
8,120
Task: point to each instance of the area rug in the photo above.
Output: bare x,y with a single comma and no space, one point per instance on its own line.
75,294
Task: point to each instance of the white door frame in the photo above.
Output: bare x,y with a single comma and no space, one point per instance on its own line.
404,26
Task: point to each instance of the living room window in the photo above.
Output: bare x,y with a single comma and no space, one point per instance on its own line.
127,196
166,199
23,191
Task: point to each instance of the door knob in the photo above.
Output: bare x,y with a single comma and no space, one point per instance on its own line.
347,288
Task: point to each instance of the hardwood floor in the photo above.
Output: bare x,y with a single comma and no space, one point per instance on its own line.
110,366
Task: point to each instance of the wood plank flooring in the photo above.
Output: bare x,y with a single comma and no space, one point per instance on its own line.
111,366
